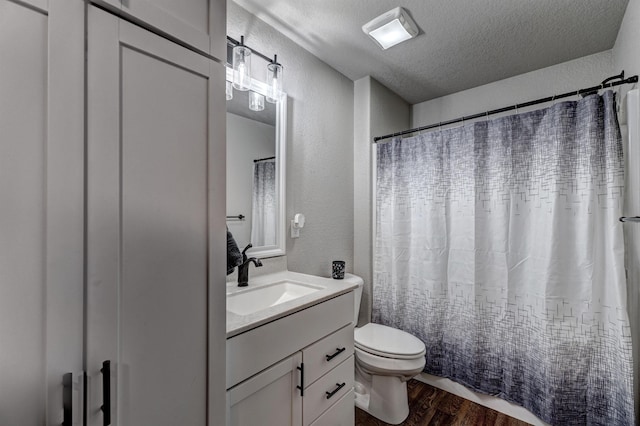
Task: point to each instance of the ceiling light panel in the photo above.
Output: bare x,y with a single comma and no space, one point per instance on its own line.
391,28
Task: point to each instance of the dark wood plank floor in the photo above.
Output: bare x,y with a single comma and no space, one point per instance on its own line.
429,406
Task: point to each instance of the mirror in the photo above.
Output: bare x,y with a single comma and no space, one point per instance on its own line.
256,160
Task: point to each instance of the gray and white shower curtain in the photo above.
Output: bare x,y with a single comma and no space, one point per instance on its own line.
263,214
498,244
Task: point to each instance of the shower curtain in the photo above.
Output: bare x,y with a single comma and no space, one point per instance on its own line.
498,244
263,214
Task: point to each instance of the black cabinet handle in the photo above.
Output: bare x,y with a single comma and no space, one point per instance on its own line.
333,392
106,393
335,354
301,387
67,399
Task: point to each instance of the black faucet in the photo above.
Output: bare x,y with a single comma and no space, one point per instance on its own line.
243,269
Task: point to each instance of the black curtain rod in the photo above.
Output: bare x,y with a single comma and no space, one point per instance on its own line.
233,42
589,90
264,159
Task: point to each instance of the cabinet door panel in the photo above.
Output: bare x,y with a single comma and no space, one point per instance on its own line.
22,214
41,207
199,23
269,398
148,226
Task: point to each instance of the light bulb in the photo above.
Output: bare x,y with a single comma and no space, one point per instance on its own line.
241,68
229,91
256,101
274,79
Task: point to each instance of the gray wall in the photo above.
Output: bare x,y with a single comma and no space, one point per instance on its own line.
377,111
565,77
319,146
626,51
626,56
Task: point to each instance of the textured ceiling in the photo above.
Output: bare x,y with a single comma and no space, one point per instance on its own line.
462,43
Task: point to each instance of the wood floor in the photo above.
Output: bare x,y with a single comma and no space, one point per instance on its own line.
429,406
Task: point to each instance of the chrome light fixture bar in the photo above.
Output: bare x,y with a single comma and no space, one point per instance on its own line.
391,28
241,65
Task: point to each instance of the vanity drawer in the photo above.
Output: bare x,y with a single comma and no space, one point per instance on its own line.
327,390
327,353
343,413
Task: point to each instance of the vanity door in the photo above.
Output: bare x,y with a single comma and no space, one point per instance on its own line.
270,398
155,229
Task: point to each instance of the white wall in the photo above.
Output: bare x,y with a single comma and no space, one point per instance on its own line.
319,146
377,111
247,140
565,77
626,51
626,56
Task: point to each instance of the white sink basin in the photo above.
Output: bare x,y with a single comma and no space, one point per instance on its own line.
256,299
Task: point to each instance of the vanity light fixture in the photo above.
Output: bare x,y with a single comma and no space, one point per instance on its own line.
274,80
241,66
229,90
256,101
391,28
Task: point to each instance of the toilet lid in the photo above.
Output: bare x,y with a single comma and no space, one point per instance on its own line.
387,341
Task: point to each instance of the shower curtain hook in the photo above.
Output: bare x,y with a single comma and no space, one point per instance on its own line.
486,116
440,126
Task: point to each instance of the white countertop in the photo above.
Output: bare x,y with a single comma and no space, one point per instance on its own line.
237,324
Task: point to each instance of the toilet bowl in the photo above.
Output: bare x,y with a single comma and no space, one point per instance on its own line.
385,359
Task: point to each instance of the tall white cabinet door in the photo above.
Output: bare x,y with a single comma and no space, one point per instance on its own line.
41,206
270,398
155,228
199,23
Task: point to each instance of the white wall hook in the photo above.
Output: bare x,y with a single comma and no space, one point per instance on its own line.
297,223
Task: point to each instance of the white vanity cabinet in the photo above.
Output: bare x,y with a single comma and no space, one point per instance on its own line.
198,23
296,370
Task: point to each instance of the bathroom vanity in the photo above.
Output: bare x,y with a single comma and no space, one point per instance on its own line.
290,351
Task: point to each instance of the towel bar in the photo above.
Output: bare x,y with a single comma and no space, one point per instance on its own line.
630,219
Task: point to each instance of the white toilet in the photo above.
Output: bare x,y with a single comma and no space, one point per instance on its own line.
385,358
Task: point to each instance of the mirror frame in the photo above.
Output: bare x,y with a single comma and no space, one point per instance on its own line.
279,248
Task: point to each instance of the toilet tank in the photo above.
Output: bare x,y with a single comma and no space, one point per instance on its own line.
357,293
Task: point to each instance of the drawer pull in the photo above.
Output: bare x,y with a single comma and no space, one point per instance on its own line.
301,387
106,393
333,392
335,354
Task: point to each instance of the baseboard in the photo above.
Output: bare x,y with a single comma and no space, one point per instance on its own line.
488,401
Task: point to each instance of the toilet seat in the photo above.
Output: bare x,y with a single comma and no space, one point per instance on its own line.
384,366
388,342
